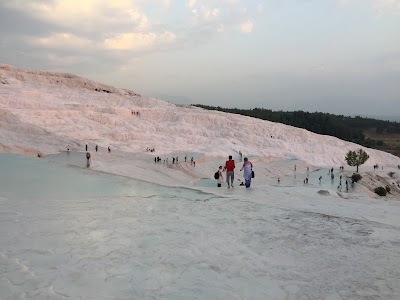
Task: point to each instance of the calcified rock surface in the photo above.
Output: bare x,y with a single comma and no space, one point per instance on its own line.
45,111
71,233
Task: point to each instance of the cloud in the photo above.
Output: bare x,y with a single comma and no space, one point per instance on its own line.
139,41
63,41
221,16
246,27
381,7
387,6
113,31
191,4
87,15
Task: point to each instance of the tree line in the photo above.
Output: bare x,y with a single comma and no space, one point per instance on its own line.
344,127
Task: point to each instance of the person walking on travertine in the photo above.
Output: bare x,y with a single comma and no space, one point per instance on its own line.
220,178
248,172
230,174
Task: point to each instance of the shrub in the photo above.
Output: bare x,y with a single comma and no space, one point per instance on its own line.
391,174
380,143
356,177
381,191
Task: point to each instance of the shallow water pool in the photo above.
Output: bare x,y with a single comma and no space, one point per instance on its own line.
37,178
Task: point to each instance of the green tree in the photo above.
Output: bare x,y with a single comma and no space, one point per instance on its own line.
356,158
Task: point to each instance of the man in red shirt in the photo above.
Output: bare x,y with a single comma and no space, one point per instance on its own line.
229,167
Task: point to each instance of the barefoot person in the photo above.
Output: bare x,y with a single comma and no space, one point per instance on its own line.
87,159
247,174
230,174
220,178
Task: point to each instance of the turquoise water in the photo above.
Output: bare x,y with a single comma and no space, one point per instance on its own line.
35,178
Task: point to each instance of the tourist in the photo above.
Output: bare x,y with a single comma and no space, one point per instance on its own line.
220,178
87,159
248,170
230,173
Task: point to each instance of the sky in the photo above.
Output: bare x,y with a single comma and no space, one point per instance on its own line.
337,56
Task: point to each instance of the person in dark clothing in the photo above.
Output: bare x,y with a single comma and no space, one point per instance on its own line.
87,159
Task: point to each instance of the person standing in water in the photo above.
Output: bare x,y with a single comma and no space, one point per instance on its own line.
247,174
87,159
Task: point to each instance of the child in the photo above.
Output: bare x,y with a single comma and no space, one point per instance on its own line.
220,178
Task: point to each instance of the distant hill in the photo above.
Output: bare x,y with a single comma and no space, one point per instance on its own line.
369,132
46,113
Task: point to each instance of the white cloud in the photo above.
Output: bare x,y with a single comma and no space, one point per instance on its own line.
138,41
220,16
63,41
246,27
121,28
87,15
381,6
191,4
385,6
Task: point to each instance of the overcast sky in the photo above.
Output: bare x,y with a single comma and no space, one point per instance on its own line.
339,56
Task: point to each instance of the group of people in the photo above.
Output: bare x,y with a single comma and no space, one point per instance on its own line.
229,168
88,153
96,148
339,188
135,113
175,160
330,172
150,149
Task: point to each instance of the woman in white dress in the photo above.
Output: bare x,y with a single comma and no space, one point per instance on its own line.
248,170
